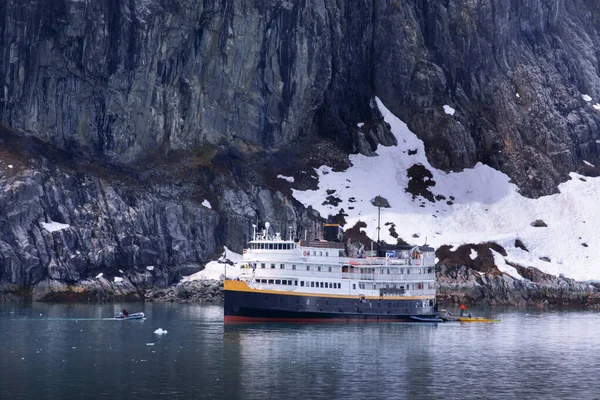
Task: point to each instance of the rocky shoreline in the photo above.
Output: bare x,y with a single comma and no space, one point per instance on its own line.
457,284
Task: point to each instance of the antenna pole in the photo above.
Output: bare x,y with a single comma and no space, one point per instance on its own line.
378,222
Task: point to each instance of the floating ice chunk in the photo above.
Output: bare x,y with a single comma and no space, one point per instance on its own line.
149,344
290,179
518,95
588,163
121,271
206,204
150,267
160,331
10,166
585,97
596,106
118,279
449,110
54,226
100,275
360,124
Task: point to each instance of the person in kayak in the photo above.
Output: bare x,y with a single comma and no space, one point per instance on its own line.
125,312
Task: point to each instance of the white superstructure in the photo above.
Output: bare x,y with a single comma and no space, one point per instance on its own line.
321,267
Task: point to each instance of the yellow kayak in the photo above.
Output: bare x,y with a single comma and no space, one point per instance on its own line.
476,319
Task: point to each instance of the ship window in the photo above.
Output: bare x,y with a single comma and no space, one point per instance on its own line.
312,284
296,282
388,271
321,284
278,282
319,269
407,271
263,281
401,271
326,254
272,266
281,266
329,269
301,283
271,281
284,282
339,285
308,267
354,286
314,252
262,265
294,267
320,253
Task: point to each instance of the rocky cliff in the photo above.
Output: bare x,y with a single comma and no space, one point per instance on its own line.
124,116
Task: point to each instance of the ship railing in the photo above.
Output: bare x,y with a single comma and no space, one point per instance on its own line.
389,277
386,261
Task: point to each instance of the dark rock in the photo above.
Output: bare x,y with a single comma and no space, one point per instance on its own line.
519,244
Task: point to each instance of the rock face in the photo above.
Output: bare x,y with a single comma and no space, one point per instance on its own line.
460,284
122,80
131,113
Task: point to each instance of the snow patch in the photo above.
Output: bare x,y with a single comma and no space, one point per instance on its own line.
473,254
216,270
118,279
585,97
504,267
290,179
486,207
150,267
54,226
596,106
160,331
518,95
360,124
10,165
206,204
449,110
100,275
588,163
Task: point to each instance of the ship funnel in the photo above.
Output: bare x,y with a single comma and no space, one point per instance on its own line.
332,232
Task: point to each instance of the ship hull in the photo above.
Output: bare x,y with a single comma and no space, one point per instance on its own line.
243,304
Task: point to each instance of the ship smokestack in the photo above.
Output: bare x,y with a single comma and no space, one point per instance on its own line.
331,232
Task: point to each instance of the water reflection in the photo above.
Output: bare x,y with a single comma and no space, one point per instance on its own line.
61,354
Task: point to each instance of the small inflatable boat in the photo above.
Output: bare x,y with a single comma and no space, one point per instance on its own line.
138,315
425,319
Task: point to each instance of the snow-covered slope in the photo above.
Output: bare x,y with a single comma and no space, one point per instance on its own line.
485,207
218,269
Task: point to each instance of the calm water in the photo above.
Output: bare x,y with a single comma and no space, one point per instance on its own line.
59,351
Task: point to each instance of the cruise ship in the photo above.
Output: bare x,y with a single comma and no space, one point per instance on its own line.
322,280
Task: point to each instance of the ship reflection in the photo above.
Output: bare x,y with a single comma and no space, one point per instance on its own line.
327,361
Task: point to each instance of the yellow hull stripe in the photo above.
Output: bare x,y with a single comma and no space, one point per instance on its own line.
241,286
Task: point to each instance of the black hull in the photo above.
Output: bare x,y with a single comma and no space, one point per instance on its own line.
241,306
